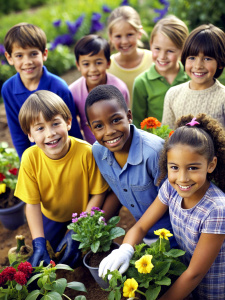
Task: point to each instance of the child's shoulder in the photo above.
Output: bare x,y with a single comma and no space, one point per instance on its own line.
149,140
116,81
8,84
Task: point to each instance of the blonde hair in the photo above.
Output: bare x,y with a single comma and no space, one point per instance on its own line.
25,35
172,27
45,102
128,14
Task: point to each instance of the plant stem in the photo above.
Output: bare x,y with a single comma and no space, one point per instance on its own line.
67,297
140,293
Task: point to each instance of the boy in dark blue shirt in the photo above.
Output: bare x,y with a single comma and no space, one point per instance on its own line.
25,46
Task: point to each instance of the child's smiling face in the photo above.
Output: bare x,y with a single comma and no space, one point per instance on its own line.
110,124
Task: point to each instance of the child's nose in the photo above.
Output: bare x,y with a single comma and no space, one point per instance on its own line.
124,39
183,176
50,132
162,55
27,60
109,130
198,63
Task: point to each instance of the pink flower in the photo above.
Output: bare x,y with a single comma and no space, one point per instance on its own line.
9,273
26,268
2,176
74,220
3,279
20,278
52,263
13,171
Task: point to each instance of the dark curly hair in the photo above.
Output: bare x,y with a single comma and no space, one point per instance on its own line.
208,138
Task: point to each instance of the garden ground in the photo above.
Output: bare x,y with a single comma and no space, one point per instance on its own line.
7,237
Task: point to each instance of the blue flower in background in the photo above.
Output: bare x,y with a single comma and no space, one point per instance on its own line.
2,49
57,23
65,39
3,62
73,27
162,12
106,9
125,2
95,23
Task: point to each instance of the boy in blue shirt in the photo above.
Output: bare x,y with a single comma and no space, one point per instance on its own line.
25,46
126,156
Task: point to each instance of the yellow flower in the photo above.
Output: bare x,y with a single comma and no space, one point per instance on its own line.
144,264
2,188
129,288
163,233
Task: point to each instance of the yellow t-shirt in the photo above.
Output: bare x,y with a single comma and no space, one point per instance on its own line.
61,186
128,75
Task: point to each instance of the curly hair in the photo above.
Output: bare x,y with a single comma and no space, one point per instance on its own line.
207,138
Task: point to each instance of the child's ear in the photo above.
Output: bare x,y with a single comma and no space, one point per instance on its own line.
31,138
78,66
69,124
9,58
108,64
129,116
212,165
45,54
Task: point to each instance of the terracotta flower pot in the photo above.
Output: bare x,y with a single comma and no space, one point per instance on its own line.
94,270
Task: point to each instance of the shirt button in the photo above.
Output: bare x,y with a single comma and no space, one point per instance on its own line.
125,190
132,205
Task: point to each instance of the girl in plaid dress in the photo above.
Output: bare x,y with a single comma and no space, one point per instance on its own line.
192,157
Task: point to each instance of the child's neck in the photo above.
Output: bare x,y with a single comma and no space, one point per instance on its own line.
91,87
121,158
171,74
31,84
130,61
198,87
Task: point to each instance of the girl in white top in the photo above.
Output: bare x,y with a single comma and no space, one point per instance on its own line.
204,59
125,31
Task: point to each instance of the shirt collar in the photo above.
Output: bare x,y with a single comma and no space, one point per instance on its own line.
136,149
181,76
19,87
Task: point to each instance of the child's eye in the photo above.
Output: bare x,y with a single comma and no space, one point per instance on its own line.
208,58
99,63
18,55
39,128
130,34
175,168
170,51
98,126
56,124
191,57
34,54
118,36
116,120
192,168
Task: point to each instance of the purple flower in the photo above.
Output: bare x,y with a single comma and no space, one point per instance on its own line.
74,220
95,24
92,213
57,23
162,12
83,214
124,2
96,208
2,49
74,215
73,27
3,62
65,39
106,9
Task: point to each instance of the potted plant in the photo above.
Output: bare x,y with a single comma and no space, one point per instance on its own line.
16,280
95,237
11,208
151,271
153,126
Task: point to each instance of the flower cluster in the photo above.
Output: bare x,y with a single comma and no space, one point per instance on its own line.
153,126
15,282
162,12
92,231
151,270
8,168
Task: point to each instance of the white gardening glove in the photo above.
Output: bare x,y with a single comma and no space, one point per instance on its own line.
118,259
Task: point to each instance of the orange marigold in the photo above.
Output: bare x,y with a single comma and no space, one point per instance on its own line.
171,132
150,122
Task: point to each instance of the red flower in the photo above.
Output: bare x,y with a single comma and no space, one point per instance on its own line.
171,132
2,176
3,279
20,278
52,263
26,268
150,122
9,273
13,171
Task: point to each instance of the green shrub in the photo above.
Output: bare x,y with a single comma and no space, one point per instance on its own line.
18,5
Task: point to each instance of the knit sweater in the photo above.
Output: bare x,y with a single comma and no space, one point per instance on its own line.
180,100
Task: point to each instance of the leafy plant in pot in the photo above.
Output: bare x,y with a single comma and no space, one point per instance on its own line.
96,238
11,208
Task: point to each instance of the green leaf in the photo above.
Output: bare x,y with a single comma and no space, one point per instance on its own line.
33,278
59,285
114,220
78,286
174,253
164,281
116,232
160,269
47,286
63,267
95,246
18,287
52,296
177,268
152,293
82,297
33,295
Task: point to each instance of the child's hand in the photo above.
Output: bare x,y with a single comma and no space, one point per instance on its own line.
40,252
118,260
72,253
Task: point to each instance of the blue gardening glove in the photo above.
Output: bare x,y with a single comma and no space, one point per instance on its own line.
72,253
40,252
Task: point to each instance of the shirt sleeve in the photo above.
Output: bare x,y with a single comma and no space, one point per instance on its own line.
164,193
215,221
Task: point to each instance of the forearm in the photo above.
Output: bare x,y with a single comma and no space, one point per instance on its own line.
96,200
111,205
34,219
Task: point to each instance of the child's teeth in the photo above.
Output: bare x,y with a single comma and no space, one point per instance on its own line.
113,141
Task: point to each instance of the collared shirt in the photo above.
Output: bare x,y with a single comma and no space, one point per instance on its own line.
207,216
149,91
135,183
14,94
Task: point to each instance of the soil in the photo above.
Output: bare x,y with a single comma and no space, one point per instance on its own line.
7,237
